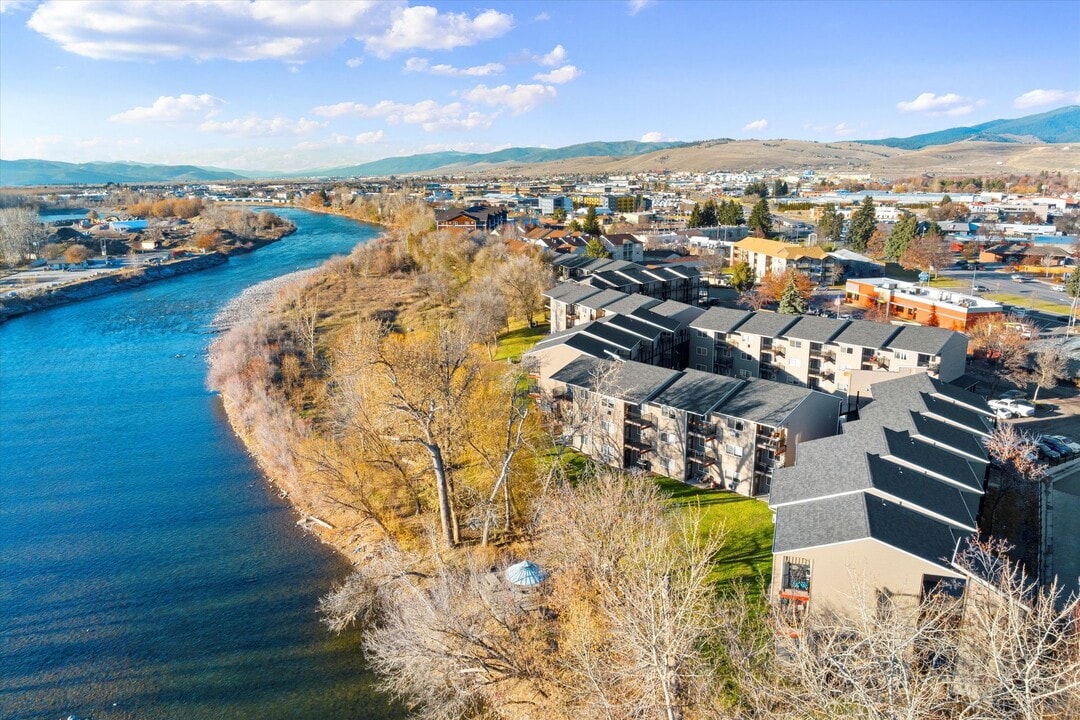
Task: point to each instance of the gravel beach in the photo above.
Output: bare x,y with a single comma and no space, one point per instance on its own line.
254,299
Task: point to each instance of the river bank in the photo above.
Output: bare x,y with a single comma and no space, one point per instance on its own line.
112,281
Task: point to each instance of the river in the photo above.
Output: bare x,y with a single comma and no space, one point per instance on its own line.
147,570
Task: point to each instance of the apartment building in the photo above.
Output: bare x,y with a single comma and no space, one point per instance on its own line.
881,510
769,256
688,425
624,246
910,302
667,282
820,353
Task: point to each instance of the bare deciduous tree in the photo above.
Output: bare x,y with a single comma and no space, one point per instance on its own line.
1051,365
20,232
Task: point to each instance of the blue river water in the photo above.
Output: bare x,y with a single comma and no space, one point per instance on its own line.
147,570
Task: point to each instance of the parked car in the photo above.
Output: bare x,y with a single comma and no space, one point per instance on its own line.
1061,448
979,288
1003,413
1018,278
1059,288
1047,451
1011,395
1074,447
1018,408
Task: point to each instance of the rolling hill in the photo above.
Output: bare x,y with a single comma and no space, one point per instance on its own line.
516,155
1057,126
49,172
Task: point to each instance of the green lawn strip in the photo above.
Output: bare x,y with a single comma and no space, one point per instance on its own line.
746,556
1028,303
521,338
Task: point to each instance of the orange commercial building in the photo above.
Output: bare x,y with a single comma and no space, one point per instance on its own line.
918,304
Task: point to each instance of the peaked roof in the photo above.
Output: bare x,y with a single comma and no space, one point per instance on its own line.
698,392
721,319
633,382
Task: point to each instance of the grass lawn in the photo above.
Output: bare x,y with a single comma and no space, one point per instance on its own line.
520,338
1026,302
747,552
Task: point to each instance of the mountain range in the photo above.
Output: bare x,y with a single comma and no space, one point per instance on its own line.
1007,145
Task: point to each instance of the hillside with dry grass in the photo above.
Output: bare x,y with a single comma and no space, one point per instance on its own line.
983,158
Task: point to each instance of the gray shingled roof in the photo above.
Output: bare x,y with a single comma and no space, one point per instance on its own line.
632,381
765,402
858,516
630,303
767,324
901,445
918,489
601,299
720,319
685,314
611,334
928,340
947,435
631,324
581,342
815,329
978,422
697,392
646,315
571,292
866,334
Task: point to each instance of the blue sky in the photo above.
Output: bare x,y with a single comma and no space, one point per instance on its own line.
281,85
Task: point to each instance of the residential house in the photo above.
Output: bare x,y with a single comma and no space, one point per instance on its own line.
477,217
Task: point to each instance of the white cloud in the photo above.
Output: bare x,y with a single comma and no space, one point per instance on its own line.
756,125
519,98
654,136
557,56
542,17
423,27
1038,97
259,127
354,62
559,76
843,130
420,65
285,30
7,6
948,104
428,114
169,109
636,6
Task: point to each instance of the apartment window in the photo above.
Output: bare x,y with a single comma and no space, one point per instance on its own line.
607,453
815,347
667,465
703,333
795,343
666,437
744,374
701,351
732,449
796,574
899,355
794,362
745,356
733,424
699,366
608,427
849,350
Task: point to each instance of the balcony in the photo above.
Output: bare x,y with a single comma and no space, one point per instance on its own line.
638,446
706,431
639,421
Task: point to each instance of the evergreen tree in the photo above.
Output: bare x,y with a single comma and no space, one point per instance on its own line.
1072,284
591,226
595,249
903,232
830,225
760,222
742,276
708,214
730,212
791,301
757,187
780,188
695,217
863,222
